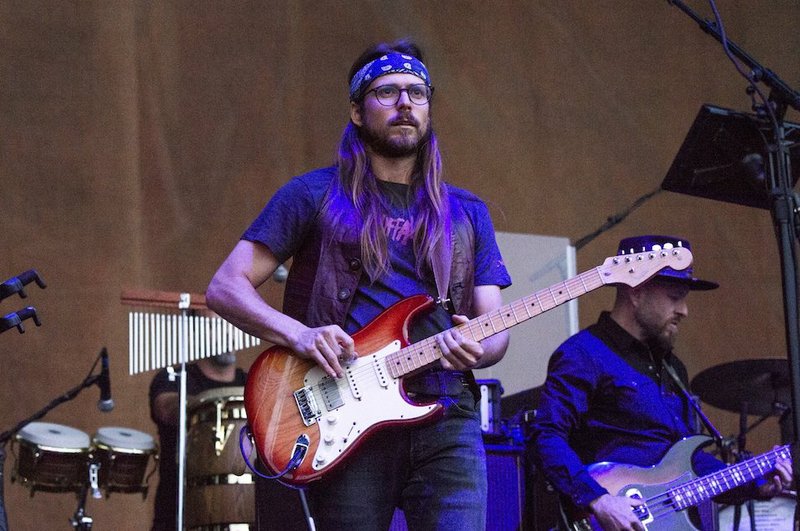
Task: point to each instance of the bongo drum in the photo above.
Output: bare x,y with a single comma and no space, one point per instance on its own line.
52,458
123,455
219,491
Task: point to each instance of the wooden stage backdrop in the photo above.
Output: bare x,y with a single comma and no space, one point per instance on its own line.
140,138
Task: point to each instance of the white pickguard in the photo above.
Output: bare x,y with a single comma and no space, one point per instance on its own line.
370,396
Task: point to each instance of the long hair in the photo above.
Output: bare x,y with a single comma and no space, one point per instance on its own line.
354,198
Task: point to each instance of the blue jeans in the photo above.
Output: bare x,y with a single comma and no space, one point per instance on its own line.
435,472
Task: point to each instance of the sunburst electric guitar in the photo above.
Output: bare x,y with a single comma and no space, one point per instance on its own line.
297,412
670,488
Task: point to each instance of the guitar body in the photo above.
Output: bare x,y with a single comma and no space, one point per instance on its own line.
368,398
648,483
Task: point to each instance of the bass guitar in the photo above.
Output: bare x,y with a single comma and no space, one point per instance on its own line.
297,412
670,488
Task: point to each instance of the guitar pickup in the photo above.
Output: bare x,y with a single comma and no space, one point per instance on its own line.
307,404
330,393
641,511
380,371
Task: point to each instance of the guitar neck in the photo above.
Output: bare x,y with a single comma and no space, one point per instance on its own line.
424,353
706,487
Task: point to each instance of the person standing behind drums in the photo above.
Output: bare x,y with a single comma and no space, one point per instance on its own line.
202,375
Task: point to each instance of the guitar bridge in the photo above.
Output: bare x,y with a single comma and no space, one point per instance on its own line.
307,404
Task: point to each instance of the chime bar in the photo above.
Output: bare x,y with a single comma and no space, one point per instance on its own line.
159,340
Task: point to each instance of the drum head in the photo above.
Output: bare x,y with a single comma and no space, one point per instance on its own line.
54,435
117,437
226,394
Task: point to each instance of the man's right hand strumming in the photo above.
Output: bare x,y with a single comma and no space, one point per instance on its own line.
614,513
328,346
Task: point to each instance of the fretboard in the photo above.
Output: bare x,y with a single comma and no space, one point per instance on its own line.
425,352
706,487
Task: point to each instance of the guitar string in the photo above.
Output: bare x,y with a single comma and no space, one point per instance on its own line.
671,505
577,284
674,505
475,327
592,278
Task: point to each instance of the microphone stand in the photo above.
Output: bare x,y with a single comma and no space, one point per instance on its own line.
8,434
14,285
783,207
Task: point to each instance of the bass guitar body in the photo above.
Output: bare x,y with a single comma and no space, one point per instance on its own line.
654,486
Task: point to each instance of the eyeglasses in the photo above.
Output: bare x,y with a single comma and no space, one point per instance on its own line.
388,95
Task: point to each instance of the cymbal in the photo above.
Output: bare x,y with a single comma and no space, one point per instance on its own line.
757,385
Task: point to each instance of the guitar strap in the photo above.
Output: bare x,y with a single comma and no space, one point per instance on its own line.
693,402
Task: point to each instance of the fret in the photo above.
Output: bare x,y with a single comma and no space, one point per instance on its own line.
527,307
484,322
583,284
504,313
492,316
678,497
552,296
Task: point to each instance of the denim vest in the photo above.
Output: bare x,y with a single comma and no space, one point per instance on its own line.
327,268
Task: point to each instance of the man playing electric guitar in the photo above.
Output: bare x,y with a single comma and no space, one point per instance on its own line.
611,396
378,227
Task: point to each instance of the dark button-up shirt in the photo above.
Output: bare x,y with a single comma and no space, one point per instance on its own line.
608,398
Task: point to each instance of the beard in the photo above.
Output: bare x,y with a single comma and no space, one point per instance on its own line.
659,335
406,144
663,340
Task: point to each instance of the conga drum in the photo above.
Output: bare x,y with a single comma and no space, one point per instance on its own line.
220,491
123,455
51,457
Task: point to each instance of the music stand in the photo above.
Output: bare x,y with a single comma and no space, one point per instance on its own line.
723,157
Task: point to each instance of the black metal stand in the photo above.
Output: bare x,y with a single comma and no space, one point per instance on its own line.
783,203
80,520
743,455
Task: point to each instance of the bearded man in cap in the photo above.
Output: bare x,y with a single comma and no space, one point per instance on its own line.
615,392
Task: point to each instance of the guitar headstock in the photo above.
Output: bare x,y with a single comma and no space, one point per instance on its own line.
634,269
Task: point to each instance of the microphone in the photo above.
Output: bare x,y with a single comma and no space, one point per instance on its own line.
105,403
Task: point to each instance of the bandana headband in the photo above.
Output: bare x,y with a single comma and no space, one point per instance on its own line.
388,64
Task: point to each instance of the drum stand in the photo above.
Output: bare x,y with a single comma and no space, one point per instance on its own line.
80,520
